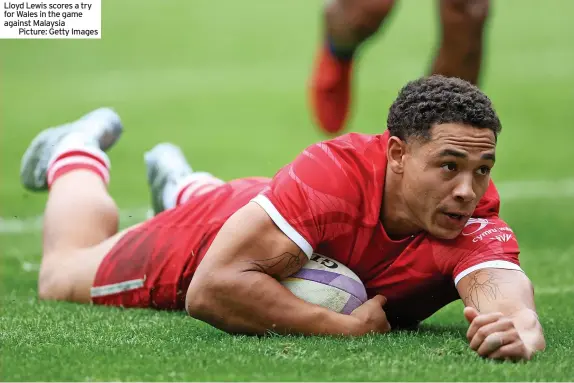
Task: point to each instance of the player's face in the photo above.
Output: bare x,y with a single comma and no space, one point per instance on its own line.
447,176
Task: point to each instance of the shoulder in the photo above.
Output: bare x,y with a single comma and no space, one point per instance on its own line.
340,167
329,189
345,151
484,242
479,233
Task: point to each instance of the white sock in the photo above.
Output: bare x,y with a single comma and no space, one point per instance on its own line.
74,153
195,184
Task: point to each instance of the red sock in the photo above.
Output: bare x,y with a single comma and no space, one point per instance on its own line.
79,159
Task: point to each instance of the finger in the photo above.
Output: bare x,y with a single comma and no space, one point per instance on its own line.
496,341
492,343
384,300
480,321
380,299
500,325
470,313
514,351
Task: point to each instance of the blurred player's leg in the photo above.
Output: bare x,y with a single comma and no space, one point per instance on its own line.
71,163
171,179
347,24
460,51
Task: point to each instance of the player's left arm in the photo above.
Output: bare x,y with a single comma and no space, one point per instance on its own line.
502,315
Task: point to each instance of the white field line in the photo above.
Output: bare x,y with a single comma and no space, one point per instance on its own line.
30,267
509,191
15,225
521,190
555,290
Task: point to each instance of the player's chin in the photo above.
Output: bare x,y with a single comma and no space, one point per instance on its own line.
447,226
444,232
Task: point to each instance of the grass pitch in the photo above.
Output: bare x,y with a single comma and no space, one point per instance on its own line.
227,81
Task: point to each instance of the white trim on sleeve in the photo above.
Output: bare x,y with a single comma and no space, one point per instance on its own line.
487,265
282,223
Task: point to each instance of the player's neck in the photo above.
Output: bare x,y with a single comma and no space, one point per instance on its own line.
395,214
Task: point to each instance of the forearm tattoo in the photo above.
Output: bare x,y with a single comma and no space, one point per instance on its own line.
483,286
280,266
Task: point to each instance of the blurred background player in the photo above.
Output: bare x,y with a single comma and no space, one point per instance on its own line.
348,23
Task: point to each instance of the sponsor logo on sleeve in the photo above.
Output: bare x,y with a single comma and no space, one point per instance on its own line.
479,228
503,237
474,225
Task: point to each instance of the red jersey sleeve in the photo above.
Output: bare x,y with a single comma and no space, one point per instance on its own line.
489,243
320,195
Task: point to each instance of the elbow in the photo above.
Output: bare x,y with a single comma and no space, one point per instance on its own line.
195,306
207,296
207,300
200,298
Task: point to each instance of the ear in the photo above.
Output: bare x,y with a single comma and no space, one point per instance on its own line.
396,151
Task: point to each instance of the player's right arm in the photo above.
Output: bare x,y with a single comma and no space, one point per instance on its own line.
499,297
236,287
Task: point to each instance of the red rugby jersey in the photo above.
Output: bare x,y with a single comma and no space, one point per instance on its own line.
328,200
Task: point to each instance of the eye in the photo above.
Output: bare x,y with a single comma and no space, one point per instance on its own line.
483,170
449,167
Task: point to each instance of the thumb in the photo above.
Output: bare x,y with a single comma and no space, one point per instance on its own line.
470,313
380,299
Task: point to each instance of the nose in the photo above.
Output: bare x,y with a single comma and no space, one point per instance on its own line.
463,191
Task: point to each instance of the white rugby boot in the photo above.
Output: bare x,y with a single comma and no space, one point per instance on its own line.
99,129
167,172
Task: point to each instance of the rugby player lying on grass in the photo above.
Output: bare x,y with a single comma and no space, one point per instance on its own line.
412,212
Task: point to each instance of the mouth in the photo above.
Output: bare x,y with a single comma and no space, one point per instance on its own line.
456,218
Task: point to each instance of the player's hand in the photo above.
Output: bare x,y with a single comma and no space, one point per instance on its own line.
371,316
494,336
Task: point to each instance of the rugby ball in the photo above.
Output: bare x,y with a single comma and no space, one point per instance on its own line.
328,283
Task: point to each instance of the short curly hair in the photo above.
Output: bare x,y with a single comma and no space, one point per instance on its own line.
437,99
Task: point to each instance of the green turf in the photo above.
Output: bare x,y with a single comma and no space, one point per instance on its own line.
227,81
